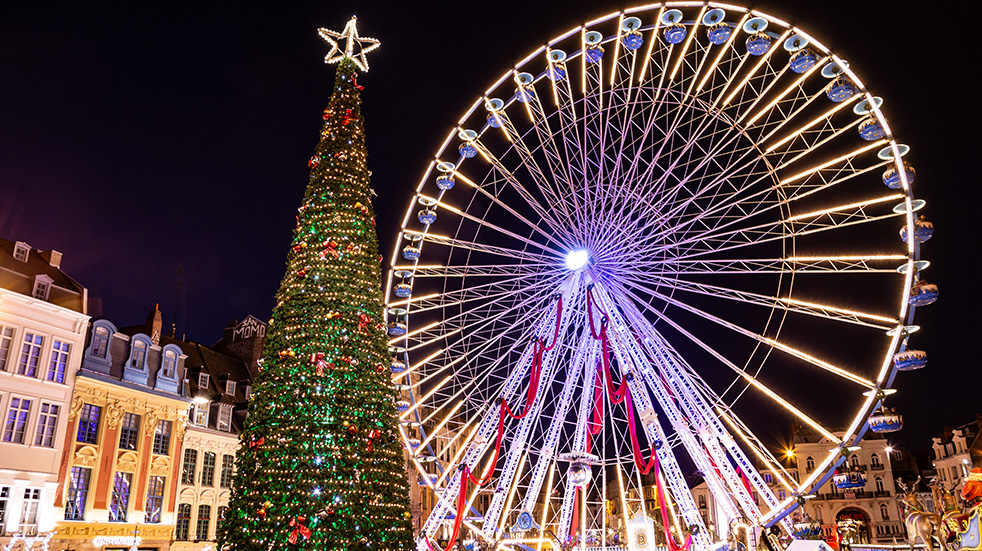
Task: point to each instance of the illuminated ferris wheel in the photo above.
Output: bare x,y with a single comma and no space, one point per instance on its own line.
649,239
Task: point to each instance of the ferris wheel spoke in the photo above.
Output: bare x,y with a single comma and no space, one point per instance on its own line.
824,118
474,270
747,377
725,48
492,197
855,263
772,343
758,448
762,62
486,224
828,219
514,181
789,305
797,85
481,247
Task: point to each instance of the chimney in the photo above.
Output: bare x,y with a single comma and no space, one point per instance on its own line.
155,324
53,257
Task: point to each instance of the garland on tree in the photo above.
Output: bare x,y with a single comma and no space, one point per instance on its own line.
320,465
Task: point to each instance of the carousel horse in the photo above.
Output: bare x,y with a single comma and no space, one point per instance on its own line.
919,522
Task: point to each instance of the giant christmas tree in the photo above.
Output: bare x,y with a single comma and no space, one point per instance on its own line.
320,465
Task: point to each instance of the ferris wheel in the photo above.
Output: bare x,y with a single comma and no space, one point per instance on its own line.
652,238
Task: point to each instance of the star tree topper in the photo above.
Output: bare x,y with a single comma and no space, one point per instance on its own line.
350,36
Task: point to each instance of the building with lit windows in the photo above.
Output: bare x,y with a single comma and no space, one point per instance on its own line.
874,506
126,426
42,333
220,384
956,451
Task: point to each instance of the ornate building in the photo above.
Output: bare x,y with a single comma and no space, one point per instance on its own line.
119,473
956,451
42,332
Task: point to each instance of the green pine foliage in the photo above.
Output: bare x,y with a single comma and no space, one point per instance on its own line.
320,458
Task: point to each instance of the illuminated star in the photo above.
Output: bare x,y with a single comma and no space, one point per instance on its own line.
349,36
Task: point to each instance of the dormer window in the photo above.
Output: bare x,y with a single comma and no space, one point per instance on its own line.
248,392
21,251
199,414
136,370
230,388
224,417
100,341
169,364
42,286
203,380
138,355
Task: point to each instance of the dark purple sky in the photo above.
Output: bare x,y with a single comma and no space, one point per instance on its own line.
141,139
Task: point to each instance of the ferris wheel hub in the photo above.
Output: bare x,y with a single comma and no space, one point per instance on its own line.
577,259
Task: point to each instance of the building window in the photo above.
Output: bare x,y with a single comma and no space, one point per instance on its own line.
16,425
42,285
884,511
810,464
121,497
138,355
230,388
129,431
169,364
228,462
208,469
768,478
6,342
47,423
248,392
161,438
225,417
781,495
4,499
29,511
21,250
189,466
88,424
879,484
183,526
30,355
78,490
155,499
220,518
702,501
59,361
818,514
204,520
874,460
199,414
203,381
854,461
100,341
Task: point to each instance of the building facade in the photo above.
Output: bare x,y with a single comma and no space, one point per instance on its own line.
119,474
43,321
874,506
955,452
219,383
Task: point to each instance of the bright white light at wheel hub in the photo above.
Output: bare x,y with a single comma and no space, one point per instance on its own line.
577,259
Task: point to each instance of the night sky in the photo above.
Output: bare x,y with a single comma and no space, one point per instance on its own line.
152,137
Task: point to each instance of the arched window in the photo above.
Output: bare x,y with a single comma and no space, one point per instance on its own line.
879,484
100,341
702,501
854,461
167,374
98,356
874,460
810,464
818,514
884,511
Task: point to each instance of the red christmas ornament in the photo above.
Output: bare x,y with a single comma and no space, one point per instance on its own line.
299,529
352,430
328,113
255,444
347,117
380,369
302,273
317,360
363,321
354,82
372,437
314,161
